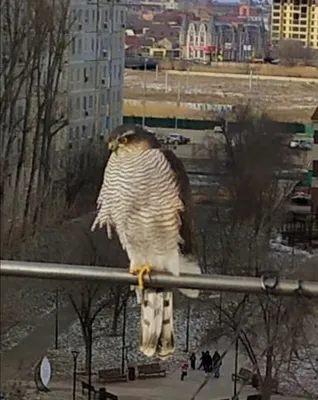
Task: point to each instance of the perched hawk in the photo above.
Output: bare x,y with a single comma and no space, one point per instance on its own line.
146,198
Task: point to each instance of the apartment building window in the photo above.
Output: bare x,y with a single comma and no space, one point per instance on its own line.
71,135
122,16
105,16
78,103
79,46
87,16
79,15
77,132
85,76
119,72
118,96
93,16
103,100
83,131
315,168
90,101
73,46
84,102
78,75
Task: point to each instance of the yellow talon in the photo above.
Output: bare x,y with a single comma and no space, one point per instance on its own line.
141,271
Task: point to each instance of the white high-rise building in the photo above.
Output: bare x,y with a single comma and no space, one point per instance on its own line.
95,68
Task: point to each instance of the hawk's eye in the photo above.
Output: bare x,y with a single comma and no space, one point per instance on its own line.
123,140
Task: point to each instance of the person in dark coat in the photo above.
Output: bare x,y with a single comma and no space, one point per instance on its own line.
216,363
192,361
202,360
208,362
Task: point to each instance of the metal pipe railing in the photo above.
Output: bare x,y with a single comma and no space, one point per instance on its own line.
224,283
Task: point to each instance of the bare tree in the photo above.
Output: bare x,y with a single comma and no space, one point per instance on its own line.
293,52
83,173
34,38
252,156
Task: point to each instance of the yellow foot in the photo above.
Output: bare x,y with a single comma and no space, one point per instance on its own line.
141,271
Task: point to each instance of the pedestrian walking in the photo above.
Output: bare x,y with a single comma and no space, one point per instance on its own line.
216,362
208,362
193,361
184,370
202,360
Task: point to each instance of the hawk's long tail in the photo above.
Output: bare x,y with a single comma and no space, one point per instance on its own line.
157,323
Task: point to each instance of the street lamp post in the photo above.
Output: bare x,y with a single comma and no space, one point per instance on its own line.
123,338
235,368
56,319
75,355
188,327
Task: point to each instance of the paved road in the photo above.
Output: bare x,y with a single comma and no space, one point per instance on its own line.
170,387
242,76
21,359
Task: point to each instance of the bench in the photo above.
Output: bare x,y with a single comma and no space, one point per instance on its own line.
86,386
111,375
104,395
150,370
244,375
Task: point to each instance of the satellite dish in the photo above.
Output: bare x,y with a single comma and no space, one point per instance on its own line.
43,374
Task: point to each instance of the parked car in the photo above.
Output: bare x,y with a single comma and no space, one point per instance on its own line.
140,62
177,139
300,144
218,129
305,145
161,138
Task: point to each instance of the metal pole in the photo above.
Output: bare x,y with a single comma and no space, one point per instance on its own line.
56,319
178,105
75,355
225,283
157,72
188,327
123,339
187,81
144,106
166,82
90,363
144,99
235,368
220,309
74,379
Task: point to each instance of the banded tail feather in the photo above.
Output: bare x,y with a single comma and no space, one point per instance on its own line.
157,337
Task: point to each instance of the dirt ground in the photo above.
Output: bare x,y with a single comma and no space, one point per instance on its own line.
242,68
282,100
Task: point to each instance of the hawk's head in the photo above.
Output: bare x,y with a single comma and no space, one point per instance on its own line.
129,137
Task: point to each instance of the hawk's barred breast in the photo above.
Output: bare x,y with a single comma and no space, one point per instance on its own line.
140,199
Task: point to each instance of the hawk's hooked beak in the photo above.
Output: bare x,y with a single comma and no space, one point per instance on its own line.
113,145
